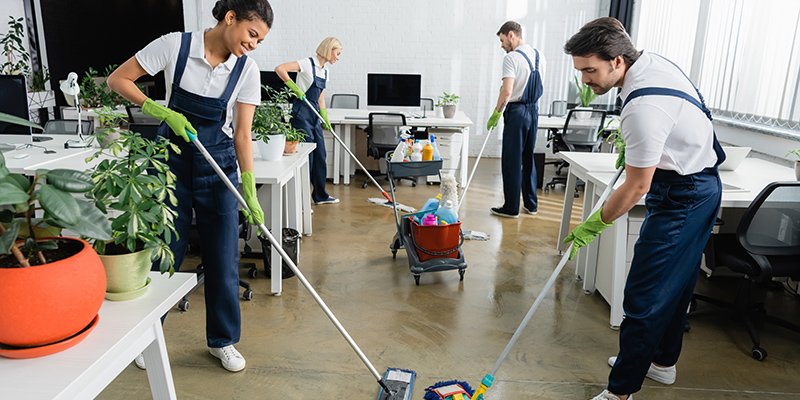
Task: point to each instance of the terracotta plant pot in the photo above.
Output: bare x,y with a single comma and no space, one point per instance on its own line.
51,302
290,147
126,274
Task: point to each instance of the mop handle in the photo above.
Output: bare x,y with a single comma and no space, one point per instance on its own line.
289,261
348,151
474,167
553,277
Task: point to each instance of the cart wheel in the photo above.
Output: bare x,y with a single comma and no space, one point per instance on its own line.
416,279
364,186
413,184
253,272
394,254
247,295
758,353
461,274
547,189
183,305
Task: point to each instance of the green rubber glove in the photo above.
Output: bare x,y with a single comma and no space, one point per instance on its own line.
584,233
493,120
299,93
176,121
249,189
327,124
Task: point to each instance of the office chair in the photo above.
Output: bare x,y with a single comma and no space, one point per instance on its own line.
383,134
349,101
136,116
68,127
581,133
766,245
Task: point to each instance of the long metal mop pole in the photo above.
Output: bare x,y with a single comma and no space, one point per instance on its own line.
474,167
349,152
544,291
291,264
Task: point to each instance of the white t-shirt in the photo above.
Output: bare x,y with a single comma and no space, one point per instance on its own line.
664,131
304,77
515,66
198,76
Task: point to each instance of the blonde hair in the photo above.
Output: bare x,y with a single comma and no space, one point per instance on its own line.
327,45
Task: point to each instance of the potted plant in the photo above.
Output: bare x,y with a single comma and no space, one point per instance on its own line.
585,98
109,125
796,162
293,137
271,124
132,184
17,62
448,103
66,271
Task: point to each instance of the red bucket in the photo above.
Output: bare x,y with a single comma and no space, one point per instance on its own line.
436,241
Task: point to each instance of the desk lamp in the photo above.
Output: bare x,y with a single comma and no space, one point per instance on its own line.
70,88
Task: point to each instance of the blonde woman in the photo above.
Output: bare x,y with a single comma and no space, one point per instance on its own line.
312,77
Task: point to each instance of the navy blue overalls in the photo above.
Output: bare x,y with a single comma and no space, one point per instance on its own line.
305,119
215,207
681,211
521,120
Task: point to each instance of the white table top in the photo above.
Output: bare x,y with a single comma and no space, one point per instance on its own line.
337,116
36,158
549,122
582,162
67,373
278,171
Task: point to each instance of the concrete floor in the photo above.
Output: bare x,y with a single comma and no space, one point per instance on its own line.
446,329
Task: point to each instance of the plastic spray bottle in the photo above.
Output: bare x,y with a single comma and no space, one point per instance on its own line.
436,155
446,213
399,151
416,151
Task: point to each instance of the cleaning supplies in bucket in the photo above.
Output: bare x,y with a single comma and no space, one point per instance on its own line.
446,213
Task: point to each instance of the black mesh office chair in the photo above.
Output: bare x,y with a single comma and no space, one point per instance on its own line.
68,127
136,116
581,133
383,134
766,245
148,131
349,101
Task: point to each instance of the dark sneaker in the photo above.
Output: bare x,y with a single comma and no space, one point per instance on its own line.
665,375
500,213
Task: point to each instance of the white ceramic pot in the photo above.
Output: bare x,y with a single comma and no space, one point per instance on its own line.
797,170
582,116
273,150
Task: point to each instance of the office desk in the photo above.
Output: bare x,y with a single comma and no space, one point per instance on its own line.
125,329
603,264
37,159
345,120
291,171
557,123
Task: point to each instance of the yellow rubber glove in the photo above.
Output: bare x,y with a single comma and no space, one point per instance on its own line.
327,124
299,93
584,233
493,120
176,121
249,189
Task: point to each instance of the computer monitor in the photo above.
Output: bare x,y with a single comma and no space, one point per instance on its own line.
272,80
394,90
14,101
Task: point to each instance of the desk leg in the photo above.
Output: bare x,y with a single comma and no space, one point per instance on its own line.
337,154
293,202
276,211
464,158
587,257
619,275
566,214
158,370
349,132
305,197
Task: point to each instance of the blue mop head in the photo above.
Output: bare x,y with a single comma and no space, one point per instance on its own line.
430,394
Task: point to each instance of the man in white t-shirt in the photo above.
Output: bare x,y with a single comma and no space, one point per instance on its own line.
671,154
522,87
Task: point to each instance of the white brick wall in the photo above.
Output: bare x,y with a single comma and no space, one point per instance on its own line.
452,43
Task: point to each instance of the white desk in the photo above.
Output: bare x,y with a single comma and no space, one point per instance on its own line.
291,171
38,159
345,129
604,263
125,329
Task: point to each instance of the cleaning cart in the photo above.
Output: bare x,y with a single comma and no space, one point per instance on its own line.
430,248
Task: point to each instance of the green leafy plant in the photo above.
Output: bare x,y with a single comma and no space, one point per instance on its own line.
796,154
94,95
134,180
110,118
585,93
272,117
50,191
447,100
37,79
17,57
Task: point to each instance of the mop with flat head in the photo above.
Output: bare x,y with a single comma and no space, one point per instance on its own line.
377,200
400,389
486,383
468,233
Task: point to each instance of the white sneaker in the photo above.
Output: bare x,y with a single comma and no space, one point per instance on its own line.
139,361
665,375
531,212
606,395
231,359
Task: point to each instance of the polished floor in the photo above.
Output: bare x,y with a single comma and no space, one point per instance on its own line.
447,329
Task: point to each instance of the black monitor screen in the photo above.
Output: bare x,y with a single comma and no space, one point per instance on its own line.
399,90
272,80
14,101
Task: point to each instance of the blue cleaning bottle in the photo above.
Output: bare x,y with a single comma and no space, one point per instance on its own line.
446,213
436,155
430,205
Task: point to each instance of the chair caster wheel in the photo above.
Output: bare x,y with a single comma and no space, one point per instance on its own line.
364,186
253,273
247,295
413,184
758,353
183,305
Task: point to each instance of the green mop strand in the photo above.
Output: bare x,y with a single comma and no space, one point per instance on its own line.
400,389
486,383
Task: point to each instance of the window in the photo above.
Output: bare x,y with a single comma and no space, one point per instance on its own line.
744,55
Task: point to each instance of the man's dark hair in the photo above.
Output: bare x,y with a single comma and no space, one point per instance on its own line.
510,26
604,37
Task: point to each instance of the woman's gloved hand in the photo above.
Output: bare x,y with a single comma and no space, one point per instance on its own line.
493,120
585,233
176,121
299,93
327,124
249,189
